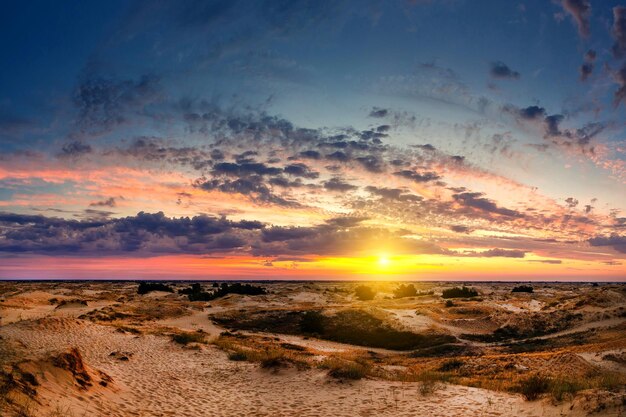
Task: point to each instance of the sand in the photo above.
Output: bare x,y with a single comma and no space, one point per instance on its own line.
150,375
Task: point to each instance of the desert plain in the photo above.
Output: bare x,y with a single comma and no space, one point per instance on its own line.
121,348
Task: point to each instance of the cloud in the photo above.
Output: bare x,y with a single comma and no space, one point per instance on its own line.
75,148
339,185
619,31
310,154
586,69
12,125
616,241
378,112
547,261
502,71
418,177
476,200
580,11
243,169
550,125
460,229
393,194
105,103
300,170
109,202
252,186
571,202
333,239
145,233
500,253
620,79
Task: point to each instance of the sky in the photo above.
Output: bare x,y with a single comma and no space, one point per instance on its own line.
313,139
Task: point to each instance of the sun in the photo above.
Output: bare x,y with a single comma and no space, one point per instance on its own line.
383,261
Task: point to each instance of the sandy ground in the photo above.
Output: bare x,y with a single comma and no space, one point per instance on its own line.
163,379
153,376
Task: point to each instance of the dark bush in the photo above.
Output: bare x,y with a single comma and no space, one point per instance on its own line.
449,303
405,291
195,292
456,292
350,326
364,293
451,365
346,370
532,387
146,287
360,328
441,350
188,337
237,356
523,288
312,322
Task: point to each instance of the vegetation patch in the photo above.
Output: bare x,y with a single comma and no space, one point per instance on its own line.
146,287
364,293
445,349
459,292
196,293
186,338
345,369
405,291
533,386
349,326
523,288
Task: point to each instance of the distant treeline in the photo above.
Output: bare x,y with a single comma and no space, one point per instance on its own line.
195,292
146,287
522,288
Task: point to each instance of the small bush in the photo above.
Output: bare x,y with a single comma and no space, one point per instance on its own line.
449,303
563,389
523,288
345,370
456,292
405,291
188,337
429,382
146,287
532,387
273,359
451,365
364,293
237,356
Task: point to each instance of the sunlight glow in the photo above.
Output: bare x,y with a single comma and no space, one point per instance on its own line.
383,261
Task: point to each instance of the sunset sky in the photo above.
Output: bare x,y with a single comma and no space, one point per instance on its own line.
313,139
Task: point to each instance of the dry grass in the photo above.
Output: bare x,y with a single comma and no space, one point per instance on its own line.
186,338
269,354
